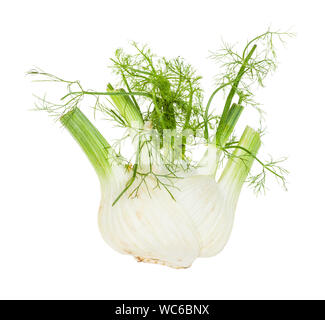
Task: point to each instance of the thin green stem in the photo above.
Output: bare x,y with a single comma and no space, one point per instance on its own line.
206,112
95,93
257,159
134,175
231,94
129,91
233,116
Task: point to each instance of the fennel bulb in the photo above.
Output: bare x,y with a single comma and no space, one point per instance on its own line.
153,226
161,206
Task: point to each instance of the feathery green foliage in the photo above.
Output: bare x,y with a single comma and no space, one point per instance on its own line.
166,93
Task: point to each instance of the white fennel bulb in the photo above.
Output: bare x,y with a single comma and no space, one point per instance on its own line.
152,228
155,227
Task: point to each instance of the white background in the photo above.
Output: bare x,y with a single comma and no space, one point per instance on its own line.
50,246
